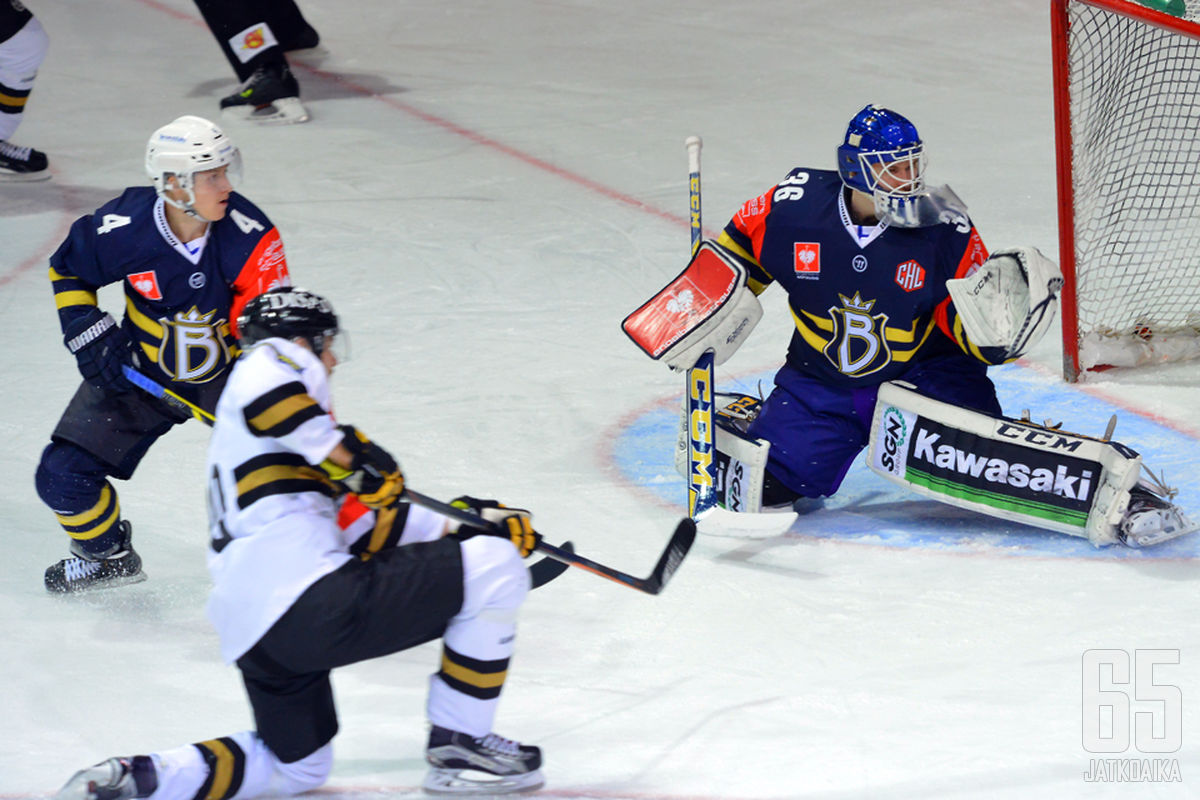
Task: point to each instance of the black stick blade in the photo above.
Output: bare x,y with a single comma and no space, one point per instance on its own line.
673,555
547,569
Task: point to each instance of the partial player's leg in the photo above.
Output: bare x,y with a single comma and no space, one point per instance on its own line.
269,92
465,692
815,431
236,767
466,592
72,478
289,24
23,45
74,484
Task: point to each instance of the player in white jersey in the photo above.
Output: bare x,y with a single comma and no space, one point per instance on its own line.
292,598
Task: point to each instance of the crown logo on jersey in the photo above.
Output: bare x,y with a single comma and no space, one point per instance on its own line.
856,303
193,317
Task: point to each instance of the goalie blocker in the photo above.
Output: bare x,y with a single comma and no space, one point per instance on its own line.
1020,471
706,307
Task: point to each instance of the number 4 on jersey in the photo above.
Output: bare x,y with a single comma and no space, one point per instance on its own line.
110,222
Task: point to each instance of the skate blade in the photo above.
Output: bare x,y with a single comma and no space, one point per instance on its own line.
98,587
284,111
1158,537
440,781
23,177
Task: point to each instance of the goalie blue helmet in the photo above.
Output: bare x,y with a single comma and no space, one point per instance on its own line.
882,154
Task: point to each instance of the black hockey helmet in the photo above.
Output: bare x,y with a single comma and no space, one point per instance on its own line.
288,313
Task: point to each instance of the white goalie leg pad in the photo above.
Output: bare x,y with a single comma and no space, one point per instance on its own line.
1011,469
741,470
1009,301
741,459
706,307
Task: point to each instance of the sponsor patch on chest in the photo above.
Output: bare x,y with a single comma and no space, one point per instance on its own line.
807,259
146,284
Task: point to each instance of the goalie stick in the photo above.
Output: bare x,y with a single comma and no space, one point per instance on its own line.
540,572
698,391
672,556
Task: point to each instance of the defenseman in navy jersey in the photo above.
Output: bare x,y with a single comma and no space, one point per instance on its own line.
190,252
868,296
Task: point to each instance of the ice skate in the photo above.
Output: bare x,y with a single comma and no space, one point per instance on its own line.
22,163
76,574
1152,519
271,96
466,765
114,779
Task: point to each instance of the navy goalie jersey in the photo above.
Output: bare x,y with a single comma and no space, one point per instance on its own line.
181,300
868,302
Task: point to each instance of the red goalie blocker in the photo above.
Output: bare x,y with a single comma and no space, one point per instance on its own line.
700,304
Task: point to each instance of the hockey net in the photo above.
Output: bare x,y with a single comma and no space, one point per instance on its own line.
1127,124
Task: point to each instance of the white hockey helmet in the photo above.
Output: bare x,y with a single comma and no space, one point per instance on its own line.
182,148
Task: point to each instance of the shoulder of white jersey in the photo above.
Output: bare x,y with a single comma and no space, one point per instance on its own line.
280,354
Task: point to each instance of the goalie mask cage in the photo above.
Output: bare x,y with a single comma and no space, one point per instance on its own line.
1127,130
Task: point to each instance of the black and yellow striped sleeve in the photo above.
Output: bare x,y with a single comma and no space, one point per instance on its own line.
279,473
281,410
757,278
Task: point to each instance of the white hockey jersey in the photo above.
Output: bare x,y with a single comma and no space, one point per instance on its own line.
273,516
272,513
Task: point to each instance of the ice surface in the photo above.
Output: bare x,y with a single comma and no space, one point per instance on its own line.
485,190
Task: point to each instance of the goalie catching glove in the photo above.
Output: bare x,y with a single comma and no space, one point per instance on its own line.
373,474
514,524
1008,303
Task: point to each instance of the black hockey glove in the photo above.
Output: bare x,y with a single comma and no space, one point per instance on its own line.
514,524
374,475
101,349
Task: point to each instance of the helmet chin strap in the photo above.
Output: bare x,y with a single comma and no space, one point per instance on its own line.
188,207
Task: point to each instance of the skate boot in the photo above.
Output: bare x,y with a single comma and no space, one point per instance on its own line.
114,779
77,573
500,766
22,163
271,96
1151,519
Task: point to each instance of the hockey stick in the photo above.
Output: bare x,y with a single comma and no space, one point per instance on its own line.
698,391
155,389
540,573
668,562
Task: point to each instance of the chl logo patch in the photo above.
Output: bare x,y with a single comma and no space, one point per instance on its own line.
910,276
146,284
807,259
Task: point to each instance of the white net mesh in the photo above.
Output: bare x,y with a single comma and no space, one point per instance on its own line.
1135,127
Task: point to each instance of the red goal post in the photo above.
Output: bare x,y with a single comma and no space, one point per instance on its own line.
1127,130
